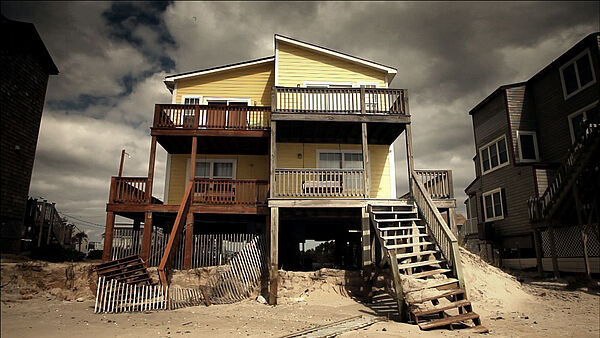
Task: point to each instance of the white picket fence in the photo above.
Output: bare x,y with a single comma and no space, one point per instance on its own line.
234,282
114,297
207,249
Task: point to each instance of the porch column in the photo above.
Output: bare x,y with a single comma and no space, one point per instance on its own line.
365,153
539,251
193,158
273,162
553,251
189,241
108,236
366,238
151,170
147,237
273,256
409,148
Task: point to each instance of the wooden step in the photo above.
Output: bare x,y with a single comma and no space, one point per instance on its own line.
421,263
430,273
400,228
443,284
415,254
439,308
448,320
402,212
403,236
448,293
408,245
387,220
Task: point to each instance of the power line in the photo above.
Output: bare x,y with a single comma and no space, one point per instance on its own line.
82,220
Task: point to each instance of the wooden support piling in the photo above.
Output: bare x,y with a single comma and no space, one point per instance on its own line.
108,236
189,241
273,256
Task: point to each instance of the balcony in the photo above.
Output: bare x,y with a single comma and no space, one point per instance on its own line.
130,190
317,183
438,182
225,191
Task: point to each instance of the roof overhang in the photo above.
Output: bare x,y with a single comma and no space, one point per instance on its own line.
170,80
377,66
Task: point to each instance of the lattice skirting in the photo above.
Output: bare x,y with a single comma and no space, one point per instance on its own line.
568,243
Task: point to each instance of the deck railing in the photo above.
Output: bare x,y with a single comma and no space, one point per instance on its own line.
437,182
437,227
308,183
189,116
132,190
339,100
226,191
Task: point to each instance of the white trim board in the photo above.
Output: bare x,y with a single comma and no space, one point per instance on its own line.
220,69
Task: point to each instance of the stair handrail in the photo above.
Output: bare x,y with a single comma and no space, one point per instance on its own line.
438,229
171,248
539,206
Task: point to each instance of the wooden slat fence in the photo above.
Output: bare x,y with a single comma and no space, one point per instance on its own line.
339,100
115,297
50,226
188,116
302,182
207,249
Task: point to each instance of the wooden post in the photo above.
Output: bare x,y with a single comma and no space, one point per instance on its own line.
367,263
398,285
578,208
42,218
273,163
553,251
452,221
193,158
108,236
363,109
365,153
450,184
273,256
51,223
409,147
147,237
122,161
539,251
151,170
189,241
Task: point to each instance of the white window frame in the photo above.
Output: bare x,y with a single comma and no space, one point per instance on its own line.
573,61
183,97
227,99
341,151
326,84
535,145
233,161
485,215
500,165
572,115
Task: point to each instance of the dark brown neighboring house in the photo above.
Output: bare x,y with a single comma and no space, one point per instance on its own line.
525,133
25,68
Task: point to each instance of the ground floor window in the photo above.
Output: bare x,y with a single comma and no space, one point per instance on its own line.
493,205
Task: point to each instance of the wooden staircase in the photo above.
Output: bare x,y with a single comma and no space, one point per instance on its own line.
423,255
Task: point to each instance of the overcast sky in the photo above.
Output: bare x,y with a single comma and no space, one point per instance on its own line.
113,57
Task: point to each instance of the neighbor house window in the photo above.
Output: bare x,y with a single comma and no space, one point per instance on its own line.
528,148
493,155
493,207
577,118
577,74
191,99
224,169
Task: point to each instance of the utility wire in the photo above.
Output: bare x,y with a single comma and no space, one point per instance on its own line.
82,220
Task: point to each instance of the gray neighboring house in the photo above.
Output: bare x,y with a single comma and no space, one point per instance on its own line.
534,201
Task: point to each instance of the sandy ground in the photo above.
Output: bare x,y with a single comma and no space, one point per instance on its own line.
34,306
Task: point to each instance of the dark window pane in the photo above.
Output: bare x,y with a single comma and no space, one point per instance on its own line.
486,159
497,204
585,70
238,104
489,211
527,147
592,115
502,151
570,78
493,155
203,169
576,123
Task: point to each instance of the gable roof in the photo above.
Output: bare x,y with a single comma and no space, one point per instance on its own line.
493,95
170,80
323,50
22,36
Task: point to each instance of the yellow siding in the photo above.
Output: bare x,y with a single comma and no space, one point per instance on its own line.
296,65
287,157
248,167
254,82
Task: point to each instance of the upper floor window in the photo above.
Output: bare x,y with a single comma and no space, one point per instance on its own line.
577,119
493,155
215,168
577,74
191,99
493,203
528,148
343,159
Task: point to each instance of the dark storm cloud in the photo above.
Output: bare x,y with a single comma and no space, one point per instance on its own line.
114,56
